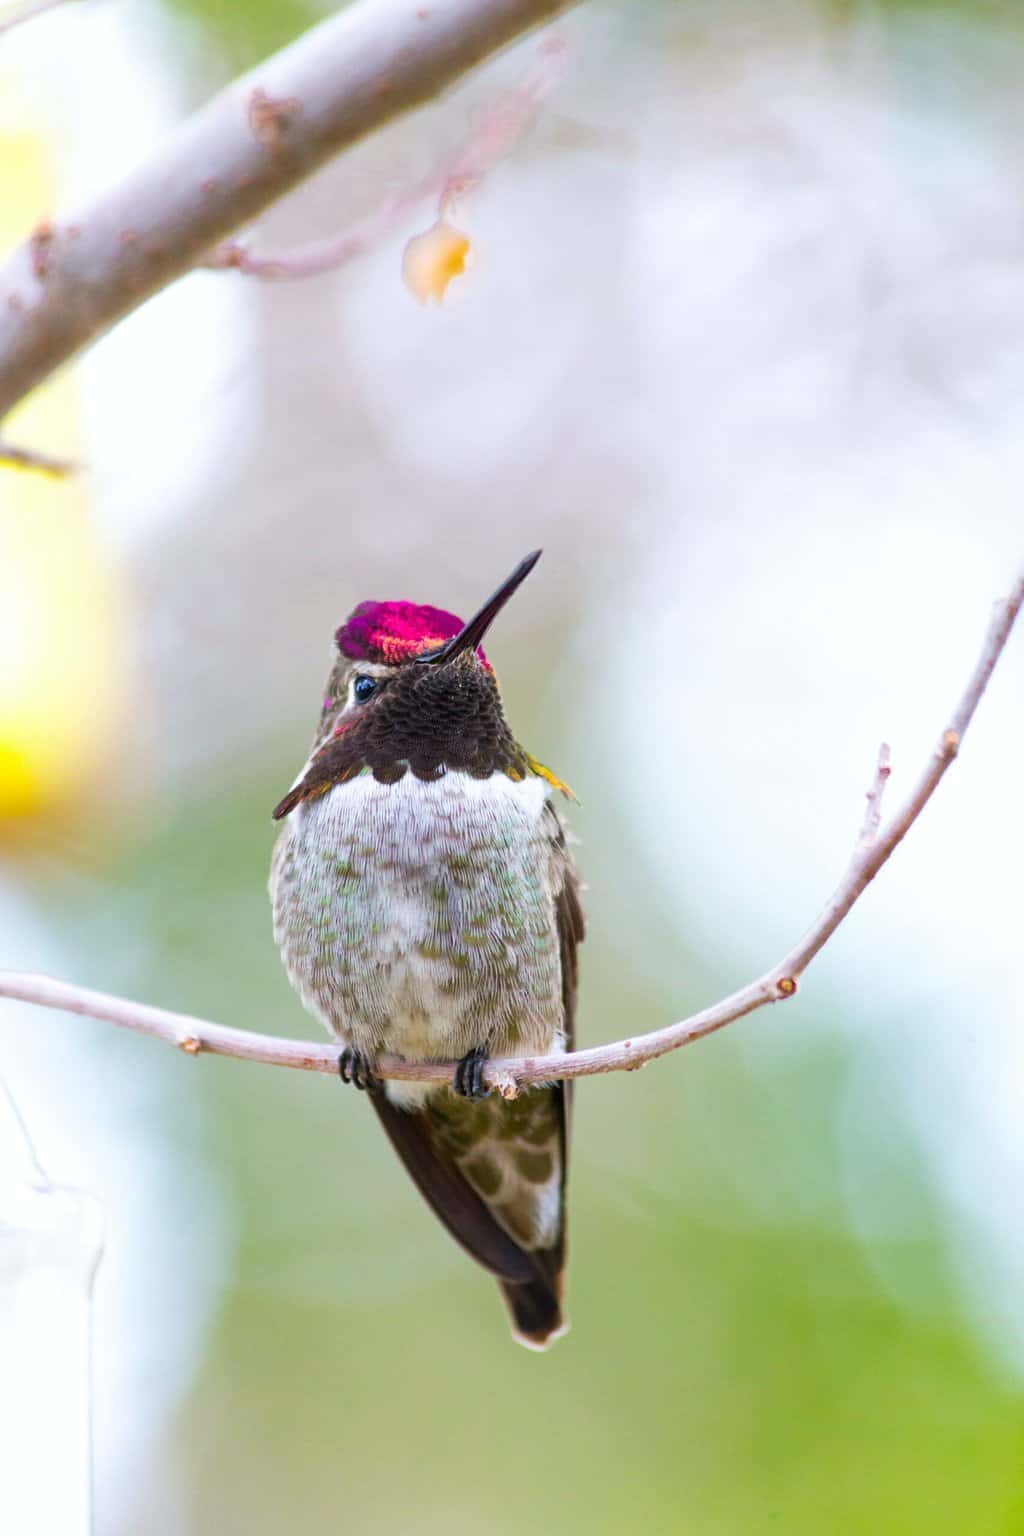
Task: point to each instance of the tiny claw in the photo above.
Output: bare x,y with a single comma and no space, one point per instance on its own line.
469,1075
354,1068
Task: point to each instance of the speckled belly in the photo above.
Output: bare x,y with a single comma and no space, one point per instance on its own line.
419,917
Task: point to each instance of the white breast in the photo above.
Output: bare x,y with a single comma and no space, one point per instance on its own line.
419,917
412,819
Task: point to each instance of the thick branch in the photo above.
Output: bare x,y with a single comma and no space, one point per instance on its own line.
77,275
872,849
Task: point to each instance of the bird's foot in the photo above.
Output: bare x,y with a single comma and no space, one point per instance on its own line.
469,1075
354,1068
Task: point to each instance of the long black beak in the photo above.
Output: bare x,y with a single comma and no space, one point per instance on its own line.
471,634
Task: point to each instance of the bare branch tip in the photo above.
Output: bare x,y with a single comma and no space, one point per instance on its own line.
41,463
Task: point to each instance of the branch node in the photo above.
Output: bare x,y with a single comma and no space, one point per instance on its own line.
873,812
950,745
270,117
231,254
785,986
191,1045
40,243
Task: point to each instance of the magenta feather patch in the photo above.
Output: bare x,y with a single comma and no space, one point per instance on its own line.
395,632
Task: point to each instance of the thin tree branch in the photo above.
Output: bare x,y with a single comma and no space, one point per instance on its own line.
493,137
30,458
872,850
77,275
873,810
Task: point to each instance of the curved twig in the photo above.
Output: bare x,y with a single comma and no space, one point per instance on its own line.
494,135
873,848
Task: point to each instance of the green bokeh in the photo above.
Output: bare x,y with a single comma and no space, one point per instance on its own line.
245,31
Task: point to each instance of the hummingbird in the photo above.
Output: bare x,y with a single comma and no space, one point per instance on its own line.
426,905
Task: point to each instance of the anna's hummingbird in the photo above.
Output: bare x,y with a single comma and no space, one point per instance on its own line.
426,904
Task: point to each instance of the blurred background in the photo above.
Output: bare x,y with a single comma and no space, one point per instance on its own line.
742,346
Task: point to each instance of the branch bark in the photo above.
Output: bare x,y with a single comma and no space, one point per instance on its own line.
873,848
76,276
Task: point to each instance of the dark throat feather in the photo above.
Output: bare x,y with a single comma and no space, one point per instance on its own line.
426,722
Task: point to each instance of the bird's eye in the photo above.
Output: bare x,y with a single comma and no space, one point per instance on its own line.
363,688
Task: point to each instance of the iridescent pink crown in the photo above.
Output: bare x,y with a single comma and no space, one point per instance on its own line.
395,632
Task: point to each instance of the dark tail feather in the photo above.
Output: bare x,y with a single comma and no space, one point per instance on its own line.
530,1280
439,1181
536,1309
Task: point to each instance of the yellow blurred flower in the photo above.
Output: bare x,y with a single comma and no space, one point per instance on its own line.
60,673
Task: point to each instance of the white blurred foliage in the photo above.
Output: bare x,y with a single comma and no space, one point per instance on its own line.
777,304
105,80
102,95
168,1229
50,1243
835,416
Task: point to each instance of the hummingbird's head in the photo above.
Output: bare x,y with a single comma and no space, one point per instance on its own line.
412,691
